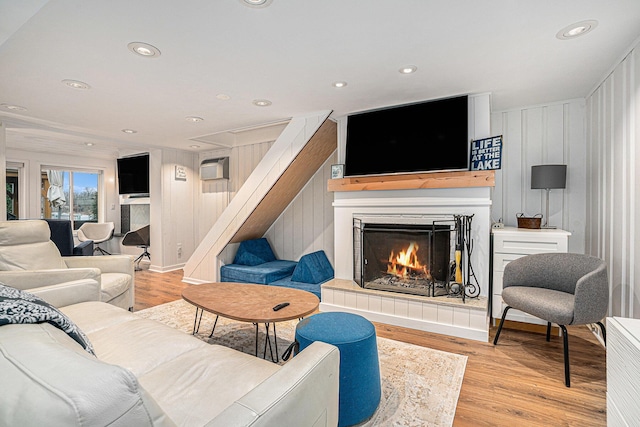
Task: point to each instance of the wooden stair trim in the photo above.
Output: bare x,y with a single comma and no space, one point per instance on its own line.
321,145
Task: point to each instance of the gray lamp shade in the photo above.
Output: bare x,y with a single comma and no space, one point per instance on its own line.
548,176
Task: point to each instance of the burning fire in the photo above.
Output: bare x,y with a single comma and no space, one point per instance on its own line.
406,262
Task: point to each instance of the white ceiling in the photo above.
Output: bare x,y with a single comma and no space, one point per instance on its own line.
289,53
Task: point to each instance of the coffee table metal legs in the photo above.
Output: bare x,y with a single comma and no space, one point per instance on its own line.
214,327
267,340
198,319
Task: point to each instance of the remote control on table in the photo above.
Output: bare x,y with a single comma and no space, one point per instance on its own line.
280,306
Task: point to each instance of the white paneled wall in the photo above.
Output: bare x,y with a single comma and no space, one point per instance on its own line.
216,194
544,134
173,237
307,224
613,204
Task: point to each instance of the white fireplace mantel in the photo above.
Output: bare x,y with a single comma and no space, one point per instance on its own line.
412,206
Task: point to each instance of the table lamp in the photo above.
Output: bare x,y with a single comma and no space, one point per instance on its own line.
547,177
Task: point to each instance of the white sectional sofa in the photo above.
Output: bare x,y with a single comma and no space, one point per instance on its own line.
145,373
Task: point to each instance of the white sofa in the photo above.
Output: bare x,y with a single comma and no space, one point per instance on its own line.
148,374
28,258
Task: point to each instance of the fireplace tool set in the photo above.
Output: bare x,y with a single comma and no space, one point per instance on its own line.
463,279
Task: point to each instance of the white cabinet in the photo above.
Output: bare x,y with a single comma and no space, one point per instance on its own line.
511,243
623,371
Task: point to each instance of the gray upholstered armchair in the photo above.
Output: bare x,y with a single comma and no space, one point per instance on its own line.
560,288
30,261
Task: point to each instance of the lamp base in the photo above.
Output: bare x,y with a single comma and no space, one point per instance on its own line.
549,227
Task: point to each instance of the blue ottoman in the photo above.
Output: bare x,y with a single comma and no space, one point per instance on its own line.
355,337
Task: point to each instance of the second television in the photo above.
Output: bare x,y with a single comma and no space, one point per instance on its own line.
133,175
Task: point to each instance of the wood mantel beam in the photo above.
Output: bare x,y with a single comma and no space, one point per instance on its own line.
458,179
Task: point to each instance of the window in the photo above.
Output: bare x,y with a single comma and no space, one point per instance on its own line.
13,205
71,195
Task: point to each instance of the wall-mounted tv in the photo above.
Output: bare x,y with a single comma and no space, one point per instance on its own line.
422,137
133,175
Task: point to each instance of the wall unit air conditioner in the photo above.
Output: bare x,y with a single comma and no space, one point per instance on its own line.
214,169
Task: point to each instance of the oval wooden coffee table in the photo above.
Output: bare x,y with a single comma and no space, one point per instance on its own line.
250,303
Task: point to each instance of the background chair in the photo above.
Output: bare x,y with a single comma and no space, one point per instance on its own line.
139,238
561,288
62,236
99,232
29,259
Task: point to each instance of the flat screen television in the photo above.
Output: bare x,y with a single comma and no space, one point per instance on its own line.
421,137
133,175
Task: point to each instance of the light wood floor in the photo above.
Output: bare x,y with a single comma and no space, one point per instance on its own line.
519,382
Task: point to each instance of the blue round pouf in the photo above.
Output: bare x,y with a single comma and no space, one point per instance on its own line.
355,337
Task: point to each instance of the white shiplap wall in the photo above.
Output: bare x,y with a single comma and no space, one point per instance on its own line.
307,224
543,134
172,208
216,194
613,204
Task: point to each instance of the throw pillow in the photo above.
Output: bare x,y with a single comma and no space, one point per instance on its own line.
254,252
313,268
18,306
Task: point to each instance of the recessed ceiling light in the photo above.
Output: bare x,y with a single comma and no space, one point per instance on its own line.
256,3
76,84
223,97
12,107
578,29
129,131
339,84
144,49
261,102
89,144
194,146
408,69
193,119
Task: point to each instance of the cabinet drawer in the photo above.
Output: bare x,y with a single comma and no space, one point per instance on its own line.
500,260
529,243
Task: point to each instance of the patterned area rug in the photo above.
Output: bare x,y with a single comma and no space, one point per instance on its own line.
420,386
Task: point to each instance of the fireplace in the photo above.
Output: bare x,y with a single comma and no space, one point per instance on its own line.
406,258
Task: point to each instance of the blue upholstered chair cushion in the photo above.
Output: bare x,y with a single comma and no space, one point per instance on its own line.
355,337
309,287
313,268
263,274
254,252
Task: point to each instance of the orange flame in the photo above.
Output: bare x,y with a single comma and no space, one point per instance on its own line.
406,261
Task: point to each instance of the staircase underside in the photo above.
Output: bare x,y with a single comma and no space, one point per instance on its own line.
291,162
300,171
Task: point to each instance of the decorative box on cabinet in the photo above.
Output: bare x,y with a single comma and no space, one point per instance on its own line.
623,371
511,243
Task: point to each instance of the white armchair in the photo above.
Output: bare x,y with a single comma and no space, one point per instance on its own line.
29,260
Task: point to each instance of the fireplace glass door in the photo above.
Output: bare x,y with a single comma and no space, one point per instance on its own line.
413,259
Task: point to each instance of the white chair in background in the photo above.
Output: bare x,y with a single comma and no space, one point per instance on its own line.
99,232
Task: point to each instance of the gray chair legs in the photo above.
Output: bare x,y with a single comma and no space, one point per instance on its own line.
565,341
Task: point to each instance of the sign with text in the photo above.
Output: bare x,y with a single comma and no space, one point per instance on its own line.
486,154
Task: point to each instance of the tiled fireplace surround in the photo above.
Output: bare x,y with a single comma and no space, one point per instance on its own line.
444,315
